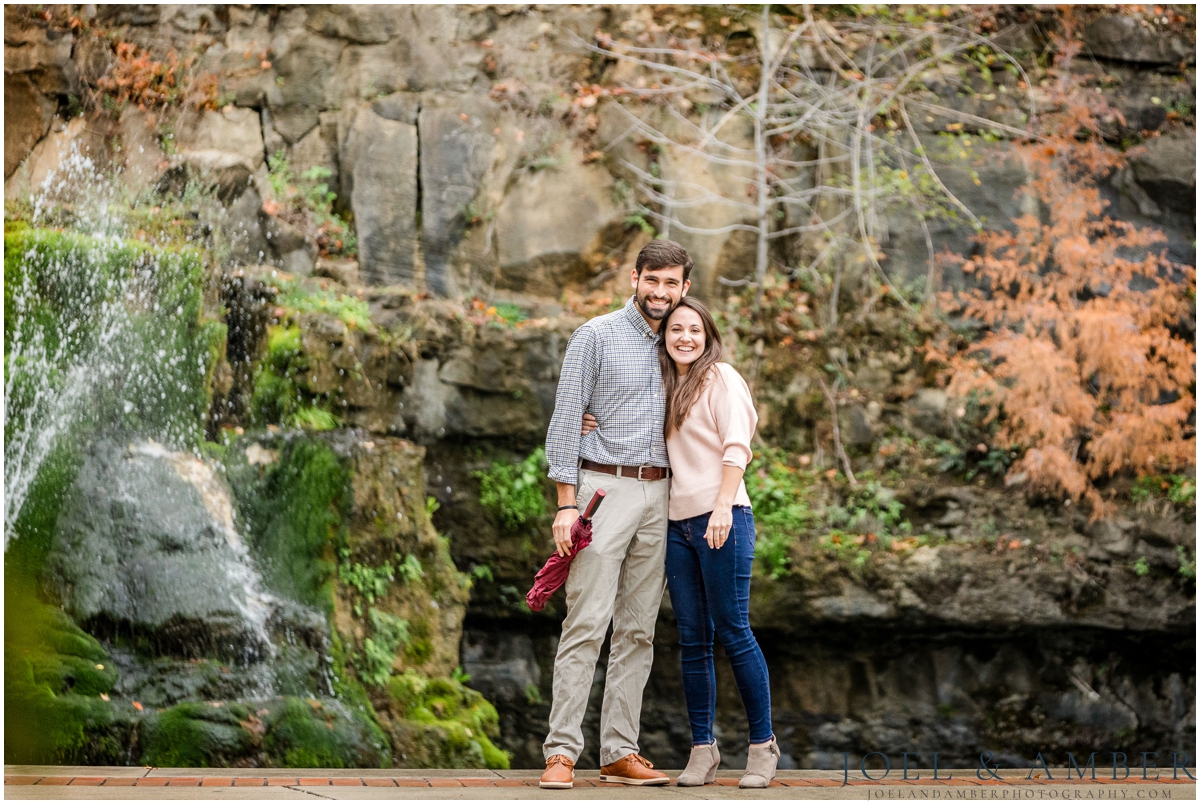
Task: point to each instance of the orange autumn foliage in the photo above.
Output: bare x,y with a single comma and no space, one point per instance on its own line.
1083,363
135,77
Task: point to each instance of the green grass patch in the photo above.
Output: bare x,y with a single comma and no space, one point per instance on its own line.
302,297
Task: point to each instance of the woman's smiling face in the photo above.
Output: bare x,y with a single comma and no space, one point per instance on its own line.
684,336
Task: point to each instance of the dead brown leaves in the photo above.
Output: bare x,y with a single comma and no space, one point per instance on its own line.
1086,362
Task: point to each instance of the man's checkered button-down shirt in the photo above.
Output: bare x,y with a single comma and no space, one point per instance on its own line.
611,371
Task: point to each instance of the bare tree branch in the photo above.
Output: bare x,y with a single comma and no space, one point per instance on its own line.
837,436
920,151
820,87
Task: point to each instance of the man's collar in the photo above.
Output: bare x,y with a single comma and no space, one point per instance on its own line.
634,314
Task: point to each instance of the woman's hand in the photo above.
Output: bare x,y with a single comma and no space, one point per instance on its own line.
720,522
589,424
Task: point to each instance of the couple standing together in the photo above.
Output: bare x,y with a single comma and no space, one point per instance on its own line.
666,433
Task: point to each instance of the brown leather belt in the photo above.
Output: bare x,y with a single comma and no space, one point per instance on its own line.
640,472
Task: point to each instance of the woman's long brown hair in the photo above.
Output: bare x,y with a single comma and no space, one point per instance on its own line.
682,392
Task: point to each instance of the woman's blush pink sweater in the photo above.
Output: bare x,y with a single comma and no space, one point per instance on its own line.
715,434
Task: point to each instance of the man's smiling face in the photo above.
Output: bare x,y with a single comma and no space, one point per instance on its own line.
658,291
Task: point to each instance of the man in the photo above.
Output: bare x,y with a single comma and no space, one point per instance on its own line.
611,370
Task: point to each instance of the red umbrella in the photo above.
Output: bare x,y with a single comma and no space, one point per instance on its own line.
554,574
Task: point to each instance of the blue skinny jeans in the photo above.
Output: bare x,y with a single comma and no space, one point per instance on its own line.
710,592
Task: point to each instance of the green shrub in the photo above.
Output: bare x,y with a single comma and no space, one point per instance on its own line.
307,201
1179,489
379,650
955,460
511,313
514,494
779,498
869,519
410,569
371,582
1187,566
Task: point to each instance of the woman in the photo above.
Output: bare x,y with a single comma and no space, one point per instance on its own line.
710,419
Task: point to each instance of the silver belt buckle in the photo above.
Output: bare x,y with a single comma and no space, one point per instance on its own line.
640,468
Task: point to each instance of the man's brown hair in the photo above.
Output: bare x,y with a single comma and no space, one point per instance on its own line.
659,254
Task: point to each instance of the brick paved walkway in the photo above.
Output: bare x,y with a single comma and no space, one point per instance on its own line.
78,782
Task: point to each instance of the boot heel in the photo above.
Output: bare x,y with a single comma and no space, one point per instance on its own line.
702,766
761,763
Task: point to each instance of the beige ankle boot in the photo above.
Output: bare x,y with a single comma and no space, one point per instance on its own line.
761,764
701,767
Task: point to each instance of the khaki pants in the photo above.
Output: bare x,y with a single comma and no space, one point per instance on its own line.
619,578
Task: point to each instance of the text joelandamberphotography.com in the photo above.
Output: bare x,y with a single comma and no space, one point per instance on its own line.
1023,793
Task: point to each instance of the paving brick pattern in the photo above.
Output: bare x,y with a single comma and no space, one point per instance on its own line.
476,781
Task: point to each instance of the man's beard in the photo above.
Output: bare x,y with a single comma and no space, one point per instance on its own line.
656,315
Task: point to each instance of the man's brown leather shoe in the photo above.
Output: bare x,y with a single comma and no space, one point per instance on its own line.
632,769
559,774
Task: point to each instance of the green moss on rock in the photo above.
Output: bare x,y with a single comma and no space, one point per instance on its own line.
350,691
439,723
61,288
277,397
197,735
54,674
43,728
307,733
295,508
33,531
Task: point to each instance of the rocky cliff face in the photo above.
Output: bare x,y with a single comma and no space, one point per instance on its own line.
1022,630
491,213
451,135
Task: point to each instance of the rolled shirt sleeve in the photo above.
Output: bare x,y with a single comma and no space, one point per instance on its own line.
733,409
576,383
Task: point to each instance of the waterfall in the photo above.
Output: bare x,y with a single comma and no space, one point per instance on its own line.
90,323
247,595
114,503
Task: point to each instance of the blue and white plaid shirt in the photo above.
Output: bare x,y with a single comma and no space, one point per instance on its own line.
611,371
